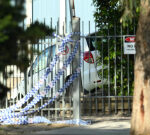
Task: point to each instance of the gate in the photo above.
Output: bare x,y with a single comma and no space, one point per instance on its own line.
107,76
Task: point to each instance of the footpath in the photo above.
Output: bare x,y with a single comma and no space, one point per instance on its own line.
98,126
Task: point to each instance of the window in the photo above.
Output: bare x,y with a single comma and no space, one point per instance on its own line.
42,60
91,43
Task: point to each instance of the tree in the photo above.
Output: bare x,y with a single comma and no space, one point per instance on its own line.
140,123
14,38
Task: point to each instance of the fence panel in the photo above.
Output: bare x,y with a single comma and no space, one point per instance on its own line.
114,90
107,75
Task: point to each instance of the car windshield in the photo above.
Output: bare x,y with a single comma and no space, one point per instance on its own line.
43,60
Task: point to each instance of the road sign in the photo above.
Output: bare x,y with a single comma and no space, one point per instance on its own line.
129,44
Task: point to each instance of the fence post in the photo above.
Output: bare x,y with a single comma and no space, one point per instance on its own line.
77,83
25,81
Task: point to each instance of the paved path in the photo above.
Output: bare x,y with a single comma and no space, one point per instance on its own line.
99,126
107,127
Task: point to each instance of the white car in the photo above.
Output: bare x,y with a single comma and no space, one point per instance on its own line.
89,73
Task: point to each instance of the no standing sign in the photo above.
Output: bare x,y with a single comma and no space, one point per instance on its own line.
129,44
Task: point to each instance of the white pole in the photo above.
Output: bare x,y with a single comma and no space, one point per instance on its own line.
62,22
28,12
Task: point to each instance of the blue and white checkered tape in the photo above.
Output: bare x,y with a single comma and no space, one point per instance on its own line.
34,90
39,96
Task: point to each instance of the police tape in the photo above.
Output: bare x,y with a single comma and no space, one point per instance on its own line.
40,83
53,82
8,116
67,84
23,120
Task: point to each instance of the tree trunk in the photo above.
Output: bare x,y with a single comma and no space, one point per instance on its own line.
140,123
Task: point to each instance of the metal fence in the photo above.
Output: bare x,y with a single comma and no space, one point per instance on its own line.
107,76
115,95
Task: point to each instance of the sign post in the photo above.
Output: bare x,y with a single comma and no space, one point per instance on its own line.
129,44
